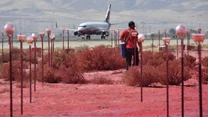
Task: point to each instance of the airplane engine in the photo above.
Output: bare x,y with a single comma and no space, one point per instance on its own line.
76,33
105,33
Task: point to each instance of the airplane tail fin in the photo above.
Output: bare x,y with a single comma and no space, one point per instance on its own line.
107,16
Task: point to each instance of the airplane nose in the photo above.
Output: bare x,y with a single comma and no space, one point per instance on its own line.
80,28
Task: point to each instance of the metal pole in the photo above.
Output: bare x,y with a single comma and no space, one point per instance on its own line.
115,35
188,42
152,41
159,36
141,70
167,80
30,76
51,52
111,39
21,75
63,38
49,49
118,37
42,61
134,51
177,48
200,82
2,50
12,40
53,45
35,65
68,39
10,73
182,78
165,34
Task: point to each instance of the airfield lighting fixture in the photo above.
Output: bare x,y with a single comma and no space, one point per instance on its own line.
21,39
30,42
166,40
9,30
48,30
199,30
181,33
141,39
199,38
42,34
52,46
35,37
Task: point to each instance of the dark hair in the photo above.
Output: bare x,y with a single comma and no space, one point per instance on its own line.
131,23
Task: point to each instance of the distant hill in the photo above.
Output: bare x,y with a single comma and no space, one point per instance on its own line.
149,15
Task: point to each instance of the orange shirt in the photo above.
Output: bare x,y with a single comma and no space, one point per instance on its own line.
132,40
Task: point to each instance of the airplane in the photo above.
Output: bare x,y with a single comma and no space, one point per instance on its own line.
95,28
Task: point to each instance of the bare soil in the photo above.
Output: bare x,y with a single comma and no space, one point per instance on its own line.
91,100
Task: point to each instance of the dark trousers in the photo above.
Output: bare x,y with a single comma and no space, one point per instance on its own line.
130,52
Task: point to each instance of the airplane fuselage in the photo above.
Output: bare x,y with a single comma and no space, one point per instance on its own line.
95,28
91,28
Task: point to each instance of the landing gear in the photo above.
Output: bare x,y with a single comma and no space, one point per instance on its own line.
83,37
102,37
88,37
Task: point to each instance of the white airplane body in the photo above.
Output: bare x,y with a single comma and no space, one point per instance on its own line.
95,28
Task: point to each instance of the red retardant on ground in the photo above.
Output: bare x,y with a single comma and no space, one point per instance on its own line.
91,100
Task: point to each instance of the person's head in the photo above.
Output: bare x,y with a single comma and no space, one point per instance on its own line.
131,24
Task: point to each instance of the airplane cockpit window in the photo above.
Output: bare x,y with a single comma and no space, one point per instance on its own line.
82,26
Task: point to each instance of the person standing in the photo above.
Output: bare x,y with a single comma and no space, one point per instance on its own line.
129,36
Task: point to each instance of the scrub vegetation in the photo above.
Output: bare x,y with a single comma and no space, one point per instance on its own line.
68,66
